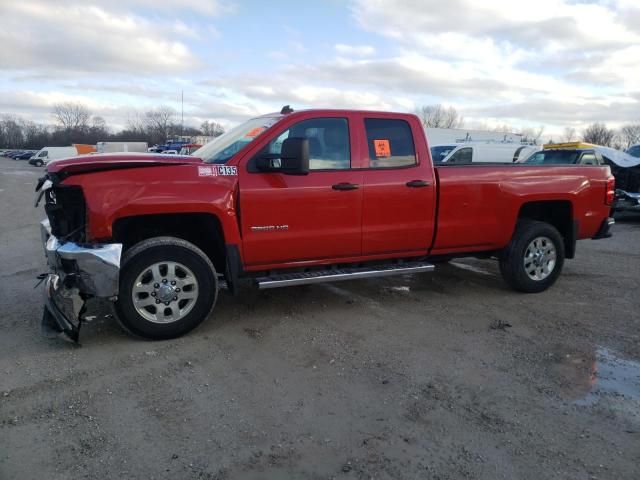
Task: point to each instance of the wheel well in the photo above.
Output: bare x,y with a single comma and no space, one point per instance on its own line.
558,213
201,229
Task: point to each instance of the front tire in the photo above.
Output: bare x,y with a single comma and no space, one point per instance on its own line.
168,286
533,260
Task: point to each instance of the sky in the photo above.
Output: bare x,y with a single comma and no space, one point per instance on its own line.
557,63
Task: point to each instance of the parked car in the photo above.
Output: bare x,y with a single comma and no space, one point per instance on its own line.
574,153
624,167
169,152
189,148
49,154
475,152
297,198
24,155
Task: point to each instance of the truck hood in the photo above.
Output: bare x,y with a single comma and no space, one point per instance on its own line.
111,161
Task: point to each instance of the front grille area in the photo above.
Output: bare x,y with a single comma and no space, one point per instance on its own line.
66,211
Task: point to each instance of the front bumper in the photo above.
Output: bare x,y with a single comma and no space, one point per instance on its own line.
627,201
77,273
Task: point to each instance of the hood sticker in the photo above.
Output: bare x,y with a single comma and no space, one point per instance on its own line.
218,171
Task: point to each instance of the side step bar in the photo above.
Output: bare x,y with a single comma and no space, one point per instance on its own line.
320,276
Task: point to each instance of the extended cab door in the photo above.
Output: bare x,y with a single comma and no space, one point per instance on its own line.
399,187
289,219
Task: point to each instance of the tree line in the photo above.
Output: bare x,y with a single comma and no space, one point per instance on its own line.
439,116
75,123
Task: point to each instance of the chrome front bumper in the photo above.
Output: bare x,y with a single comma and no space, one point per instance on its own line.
77,273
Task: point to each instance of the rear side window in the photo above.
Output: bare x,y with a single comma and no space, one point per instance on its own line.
461,157
588,159
390,143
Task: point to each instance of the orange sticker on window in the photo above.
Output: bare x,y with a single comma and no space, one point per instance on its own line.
382,148
254,132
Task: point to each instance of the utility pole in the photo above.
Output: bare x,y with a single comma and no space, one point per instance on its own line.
182,122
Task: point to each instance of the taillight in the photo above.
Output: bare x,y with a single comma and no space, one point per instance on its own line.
611,191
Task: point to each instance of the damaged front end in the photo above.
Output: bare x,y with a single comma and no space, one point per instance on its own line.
627,201
78,270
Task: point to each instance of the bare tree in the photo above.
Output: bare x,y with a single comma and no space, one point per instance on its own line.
599,134
12,135
569,134
135,122
98,123
532,135
71,116
159,121
211,129
630,134
438,116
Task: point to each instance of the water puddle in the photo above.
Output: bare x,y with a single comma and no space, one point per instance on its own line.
589,378
613,377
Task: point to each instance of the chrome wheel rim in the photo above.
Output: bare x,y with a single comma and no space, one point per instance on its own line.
540,258
165,292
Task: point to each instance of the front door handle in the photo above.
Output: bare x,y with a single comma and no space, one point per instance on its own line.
418,183
345,186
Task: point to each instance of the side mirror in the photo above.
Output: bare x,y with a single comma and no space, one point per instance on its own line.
293,158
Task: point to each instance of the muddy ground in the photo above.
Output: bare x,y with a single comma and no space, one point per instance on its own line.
444,376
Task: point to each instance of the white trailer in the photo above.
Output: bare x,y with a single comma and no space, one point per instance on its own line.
115,147
439,136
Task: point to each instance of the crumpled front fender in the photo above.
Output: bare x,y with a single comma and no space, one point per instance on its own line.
77,273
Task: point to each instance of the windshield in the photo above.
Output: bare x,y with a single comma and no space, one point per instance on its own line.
222,148
439,153
634,151
553,157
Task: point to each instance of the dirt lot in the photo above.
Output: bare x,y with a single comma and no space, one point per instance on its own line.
440,376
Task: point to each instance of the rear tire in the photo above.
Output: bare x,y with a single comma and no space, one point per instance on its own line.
533,260
168,286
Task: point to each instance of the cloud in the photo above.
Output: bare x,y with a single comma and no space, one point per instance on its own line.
355,50
87,38
557,62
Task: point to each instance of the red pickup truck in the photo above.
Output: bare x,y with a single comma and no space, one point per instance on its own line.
297,198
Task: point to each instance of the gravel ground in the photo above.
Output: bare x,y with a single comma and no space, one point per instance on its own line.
444,376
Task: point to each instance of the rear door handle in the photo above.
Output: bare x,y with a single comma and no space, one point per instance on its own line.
418,183
345,186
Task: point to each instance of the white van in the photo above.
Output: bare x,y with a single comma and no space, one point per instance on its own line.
468,152
48,154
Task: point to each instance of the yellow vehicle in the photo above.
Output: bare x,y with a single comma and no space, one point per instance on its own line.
573,153
568,146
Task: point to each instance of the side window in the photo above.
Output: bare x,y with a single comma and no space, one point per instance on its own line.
390,143
461,157
588,159
43,154
328,142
